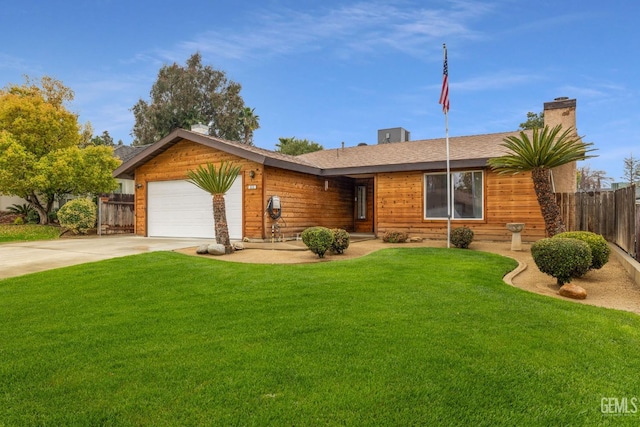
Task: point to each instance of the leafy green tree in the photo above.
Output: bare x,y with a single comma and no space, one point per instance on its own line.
217,182
185,95
104,139
538,154
631,170
86,134
295,147
40,157
534,121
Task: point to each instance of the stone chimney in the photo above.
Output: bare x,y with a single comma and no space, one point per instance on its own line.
562,111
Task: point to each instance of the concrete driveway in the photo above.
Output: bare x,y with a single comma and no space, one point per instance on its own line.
17,259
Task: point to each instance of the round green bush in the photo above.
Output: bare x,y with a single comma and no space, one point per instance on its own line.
600,250
562,258
78,215
317,239
340,240
461,237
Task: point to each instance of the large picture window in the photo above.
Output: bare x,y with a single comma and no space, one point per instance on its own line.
467,196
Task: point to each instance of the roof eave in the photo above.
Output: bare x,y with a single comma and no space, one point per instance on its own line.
127,169
406,167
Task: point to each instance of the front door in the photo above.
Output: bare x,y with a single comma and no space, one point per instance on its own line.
363,207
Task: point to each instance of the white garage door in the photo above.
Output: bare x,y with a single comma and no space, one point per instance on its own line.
180,209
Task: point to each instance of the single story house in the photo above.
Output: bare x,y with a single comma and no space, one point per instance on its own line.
395,186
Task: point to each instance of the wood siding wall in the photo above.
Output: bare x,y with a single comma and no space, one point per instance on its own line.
507,198
174,163
306,203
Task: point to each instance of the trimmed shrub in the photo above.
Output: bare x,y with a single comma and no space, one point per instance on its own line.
461,237
340,240
317,239
395,237
562,258
600,250
78,215
18,221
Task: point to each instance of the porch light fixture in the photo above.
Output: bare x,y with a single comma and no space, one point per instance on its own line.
139,186
252,174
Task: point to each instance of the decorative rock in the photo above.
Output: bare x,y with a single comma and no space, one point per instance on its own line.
216,249
570,290
202,249
416,239
238,246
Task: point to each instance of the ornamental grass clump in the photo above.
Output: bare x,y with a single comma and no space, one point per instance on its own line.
562,258
318,239
461,237
600,250
78,215
340,240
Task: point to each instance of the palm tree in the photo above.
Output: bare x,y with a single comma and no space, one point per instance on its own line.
545,150
249,123
217,182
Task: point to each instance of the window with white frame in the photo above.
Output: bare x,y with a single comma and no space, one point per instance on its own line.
467,195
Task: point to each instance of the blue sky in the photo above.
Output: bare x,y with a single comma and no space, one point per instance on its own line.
335,71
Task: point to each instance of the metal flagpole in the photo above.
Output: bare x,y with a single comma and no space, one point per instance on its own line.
446,124
444,100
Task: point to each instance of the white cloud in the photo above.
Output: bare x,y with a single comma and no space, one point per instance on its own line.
358,27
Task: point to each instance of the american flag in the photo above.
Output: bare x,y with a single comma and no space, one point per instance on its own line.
444,95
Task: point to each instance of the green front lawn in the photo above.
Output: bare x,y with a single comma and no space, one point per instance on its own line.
404,336
27,232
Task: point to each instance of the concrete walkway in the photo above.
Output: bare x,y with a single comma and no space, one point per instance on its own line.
21,258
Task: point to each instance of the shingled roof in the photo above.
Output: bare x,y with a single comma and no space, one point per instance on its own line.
428,154
464,151
126,152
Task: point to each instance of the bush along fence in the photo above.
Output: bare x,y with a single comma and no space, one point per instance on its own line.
613,214
116,214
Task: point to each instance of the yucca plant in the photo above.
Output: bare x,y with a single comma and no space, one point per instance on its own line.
217,182
23,210
543,151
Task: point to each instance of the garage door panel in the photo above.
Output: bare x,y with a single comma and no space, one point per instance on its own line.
180,209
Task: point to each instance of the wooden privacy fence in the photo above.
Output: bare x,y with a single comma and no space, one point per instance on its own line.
116,214
613,214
